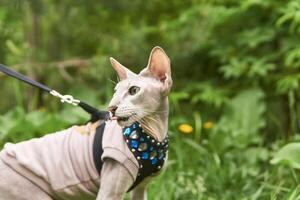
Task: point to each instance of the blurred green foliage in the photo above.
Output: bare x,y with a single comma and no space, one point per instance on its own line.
235,66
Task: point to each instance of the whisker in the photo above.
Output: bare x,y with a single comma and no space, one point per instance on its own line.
153,119
156,111
150,130
112,81
145,124
148,111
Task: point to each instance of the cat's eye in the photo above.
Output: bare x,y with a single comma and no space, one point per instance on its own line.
133,90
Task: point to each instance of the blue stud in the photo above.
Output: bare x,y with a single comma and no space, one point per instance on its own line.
142,139
143,146
134,144
154,161
151,148
134,135
160,156
153,154
127,131
145,156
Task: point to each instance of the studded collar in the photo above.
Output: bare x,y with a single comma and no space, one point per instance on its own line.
150,153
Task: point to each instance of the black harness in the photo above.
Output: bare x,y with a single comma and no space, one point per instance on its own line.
149,153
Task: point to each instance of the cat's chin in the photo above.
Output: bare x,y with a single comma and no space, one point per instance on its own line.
126,122
123,124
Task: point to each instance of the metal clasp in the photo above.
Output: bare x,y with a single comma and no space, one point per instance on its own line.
65,98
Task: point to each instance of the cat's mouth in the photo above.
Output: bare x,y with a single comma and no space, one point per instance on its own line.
121,118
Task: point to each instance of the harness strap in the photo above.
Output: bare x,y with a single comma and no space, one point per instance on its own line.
97,147
94,112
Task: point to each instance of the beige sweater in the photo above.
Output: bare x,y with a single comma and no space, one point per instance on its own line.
62,163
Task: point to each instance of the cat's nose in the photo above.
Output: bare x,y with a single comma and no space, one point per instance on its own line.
113,109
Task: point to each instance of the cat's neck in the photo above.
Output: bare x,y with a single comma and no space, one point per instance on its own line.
157,124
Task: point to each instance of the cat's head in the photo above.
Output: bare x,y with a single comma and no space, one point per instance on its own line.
139,95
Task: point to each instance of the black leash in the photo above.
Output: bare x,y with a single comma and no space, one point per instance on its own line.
94,112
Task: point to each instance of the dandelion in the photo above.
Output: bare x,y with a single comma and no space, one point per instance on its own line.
185,128
208,125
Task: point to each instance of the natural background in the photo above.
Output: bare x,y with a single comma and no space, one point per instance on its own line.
234,118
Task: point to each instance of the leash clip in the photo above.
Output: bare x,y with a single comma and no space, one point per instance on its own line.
65,98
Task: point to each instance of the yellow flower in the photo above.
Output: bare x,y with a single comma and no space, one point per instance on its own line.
208,125
186,128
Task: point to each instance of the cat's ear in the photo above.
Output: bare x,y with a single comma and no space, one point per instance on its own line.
159,67
159,64
122,71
